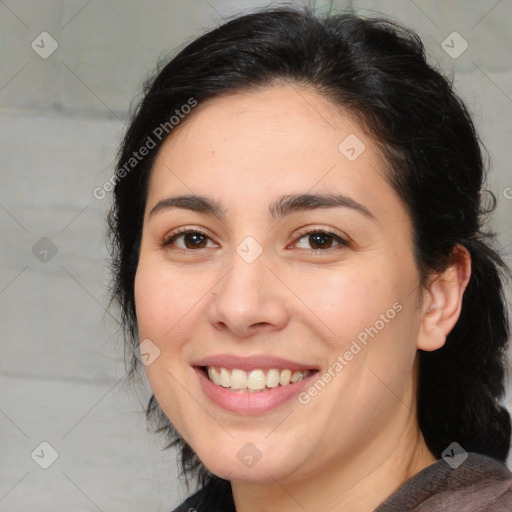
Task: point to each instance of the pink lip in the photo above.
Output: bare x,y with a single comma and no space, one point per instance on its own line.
248,403
262,362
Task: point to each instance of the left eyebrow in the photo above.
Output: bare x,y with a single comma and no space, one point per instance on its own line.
192,202
299,202
285,205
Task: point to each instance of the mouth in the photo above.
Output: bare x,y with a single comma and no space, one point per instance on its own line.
254,381
252,390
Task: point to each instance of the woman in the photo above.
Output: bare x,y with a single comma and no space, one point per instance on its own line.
297,246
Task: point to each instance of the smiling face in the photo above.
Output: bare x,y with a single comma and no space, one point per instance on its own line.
326,284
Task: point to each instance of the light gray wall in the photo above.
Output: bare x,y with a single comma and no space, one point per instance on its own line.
61,119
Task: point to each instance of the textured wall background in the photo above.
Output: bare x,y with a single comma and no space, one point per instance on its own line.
61,118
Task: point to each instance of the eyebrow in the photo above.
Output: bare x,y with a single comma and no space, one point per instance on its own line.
280,208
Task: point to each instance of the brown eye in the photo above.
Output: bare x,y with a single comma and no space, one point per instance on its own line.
194,240
191,239
320,240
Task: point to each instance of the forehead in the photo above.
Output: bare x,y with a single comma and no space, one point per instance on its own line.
265,143
263,120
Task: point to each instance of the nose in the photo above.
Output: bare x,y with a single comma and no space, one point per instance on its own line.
249,299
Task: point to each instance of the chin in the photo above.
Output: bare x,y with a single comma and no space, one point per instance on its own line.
248,463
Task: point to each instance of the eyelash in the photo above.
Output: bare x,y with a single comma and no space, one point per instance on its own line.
302,234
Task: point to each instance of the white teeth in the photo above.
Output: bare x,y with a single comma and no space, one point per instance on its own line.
255,380
296,377
284,378
273,378
238,379
225,378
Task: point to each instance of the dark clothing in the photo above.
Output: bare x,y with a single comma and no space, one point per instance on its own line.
479,484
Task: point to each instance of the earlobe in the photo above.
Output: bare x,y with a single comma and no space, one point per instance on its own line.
442,301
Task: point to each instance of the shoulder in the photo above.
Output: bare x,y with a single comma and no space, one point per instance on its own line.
478,484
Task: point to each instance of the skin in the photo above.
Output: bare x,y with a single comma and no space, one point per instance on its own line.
355,442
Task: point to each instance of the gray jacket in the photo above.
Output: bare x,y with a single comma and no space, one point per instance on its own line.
479,484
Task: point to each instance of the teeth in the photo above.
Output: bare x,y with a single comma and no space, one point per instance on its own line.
296,377
224,378
255,380
238,379
273,378
284,378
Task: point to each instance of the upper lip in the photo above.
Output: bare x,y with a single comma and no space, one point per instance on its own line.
248,363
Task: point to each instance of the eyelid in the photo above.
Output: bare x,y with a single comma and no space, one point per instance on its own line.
343,240
168,239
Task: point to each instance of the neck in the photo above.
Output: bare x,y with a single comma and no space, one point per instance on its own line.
356,484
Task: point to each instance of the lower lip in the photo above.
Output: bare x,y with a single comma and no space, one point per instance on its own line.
250,403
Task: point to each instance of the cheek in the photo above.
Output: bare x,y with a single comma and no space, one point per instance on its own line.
164,296
369,326
350,300
163,303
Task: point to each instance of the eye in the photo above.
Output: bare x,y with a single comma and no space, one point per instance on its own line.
319,240
322,240
191,239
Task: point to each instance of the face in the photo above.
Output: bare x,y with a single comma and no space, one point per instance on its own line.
296,259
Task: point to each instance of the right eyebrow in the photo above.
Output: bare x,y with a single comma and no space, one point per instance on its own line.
195,203
284,206
287,205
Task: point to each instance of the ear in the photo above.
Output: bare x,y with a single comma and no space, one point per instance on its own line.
442,300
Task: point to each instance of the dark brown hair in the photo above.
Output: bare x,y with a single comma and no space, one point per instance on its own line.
378,71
